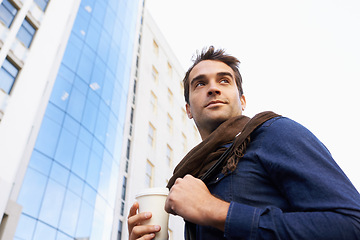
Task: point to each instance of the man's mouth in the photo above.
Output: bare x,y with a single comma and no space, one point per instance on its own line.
214,102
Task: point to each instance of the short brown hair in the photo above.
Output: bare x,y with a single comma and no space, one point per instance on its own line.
217,55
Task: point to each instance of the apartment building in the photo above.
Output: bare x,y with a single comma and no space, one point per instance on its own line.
159,133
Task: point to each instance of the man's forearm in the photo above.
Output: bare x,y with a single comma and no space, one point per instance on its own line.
246,222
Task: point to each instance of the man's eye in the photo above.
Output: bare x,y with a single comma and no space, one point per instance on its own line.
199,84
224,80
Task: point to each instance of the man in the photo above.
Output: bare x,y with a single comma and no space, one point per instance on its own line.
262,178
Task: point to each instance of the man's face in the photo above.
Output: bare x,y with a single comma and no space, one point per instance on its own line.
213,95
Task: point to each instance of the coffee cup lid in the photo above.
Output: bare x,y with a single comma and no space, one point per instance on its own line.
153,191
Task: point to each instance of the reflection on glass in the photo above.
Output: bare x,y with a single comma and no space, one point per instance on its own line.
69,189
40,162
85,220
59,174
65,149
69,214
32,192
26,227
52,203
80,160
44,231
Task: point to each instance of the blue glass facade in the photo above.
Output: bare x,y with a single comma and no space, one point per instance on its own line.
70,185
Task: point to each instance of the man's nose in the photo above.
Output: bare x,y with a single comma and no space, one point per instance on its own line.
214,89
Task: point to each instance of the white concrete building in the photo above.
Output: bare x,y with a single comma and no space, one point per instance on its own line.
161,131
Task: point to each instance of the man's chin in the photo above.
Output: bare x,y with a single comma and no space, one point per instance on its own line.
216,122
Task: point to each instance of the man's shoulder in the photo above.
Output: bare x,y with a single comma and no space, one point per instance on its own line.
282,126
278,121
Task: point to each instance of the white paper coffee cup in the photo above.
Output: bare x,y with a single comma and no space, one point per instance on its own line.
153,200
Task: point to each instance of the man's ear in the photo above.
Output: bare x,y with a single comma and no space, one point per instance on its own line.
188,111
243,102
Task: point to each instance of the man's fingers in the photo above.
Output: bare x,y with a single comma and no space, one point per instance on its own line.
133,209
144,232
145,229
138,218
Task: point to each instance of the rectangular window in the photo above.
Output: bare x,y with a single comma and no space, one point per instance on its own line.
42,4
123,193
151,135
155,74
170,71
26,33
169,156
134,88
119,230
170,123
156,48
149,174
127,166
184,142
8,74
153,101
128,149
181,88
137,61
170,96
132,115
184,115
7,12
122,210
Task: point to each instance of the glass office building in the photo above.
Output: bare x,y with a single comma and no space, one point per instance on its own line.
69,189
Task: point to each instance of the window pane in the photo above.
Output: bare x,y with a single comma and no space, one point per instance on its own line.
151,135
7,12
65,149
48,137
70,213
26,33
123,192
54,113
149,174
8,73
92,176
85,220
42,4
25,227
89,116
76,184
60,92
32,192
52,203
62,236
101,127
71,125
105,175
40,163
76,104
44,231
59,174
86,64
80,160
89,195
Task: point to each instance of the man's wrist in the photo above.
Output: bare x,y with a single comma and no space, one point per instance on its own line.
217,213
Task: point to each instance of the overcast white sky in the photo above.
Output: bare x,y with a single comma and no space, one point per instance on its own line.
300,59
